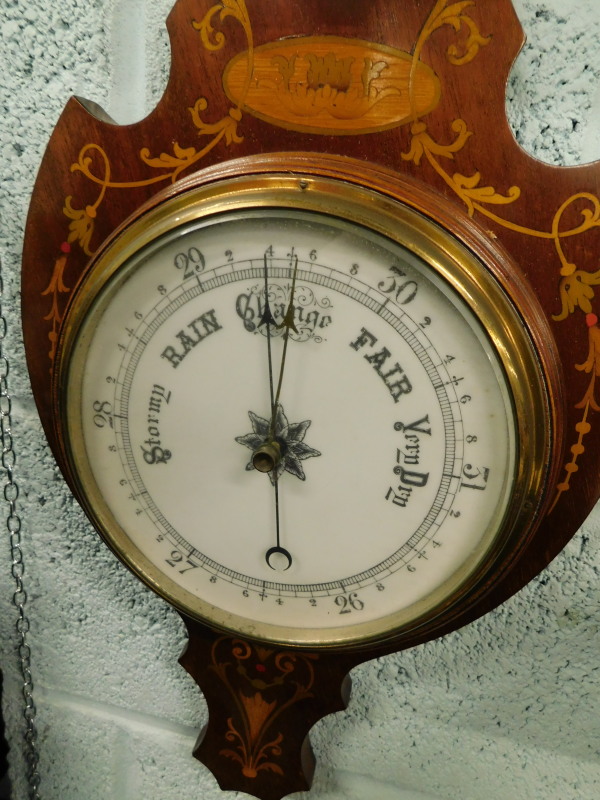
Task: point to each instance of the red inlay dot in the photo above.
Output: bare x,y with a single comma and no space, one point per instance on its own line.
591,320
261,668
65,247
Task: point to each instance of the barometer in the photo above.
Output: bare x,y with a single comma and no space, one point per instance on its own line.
315,346
299,410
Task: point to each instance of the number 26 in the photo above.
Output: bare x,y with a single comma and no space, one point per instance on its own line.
349,602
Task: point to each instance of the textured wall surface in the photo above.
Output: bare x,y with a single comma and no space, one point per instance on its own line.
506,708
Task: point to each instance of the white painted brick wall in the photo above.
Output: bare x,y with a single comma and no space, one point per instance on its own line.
507,708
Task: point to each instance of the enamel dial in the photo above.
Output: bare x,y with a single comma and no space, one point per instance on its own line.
298,419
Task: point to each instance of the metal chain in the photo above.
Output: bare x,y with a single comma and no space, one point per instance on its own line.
13,523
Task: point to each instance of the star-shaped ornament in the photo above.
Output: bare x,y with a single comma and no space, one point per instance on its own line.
289,437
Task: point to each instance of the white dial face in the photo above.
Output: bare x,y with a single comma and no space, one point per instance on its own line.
383,405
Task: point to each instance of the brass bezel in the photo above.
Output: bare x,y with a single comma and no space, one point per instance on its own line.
452,261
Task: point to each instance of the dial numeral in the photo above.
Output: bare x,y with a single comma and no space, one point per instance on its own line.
403,292
103,415
349,602
178,559
477,477
192,262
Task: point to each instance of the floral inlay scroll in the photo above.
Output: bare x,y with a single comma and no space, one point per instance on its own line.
253,735
94,164
576,284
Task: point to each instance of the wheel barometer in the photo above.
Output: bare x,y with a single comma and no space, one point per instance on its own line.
310,385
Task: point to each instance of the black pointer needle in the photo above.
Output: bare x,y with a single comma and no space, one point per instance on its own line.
278,557
267,457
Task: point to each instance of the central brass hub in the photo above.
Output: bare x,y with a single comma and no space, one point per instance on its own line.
267,457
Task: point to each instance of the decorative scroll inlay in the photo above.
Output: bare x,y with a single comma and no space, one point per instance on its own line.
576,284
254,676
55,288
94,163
